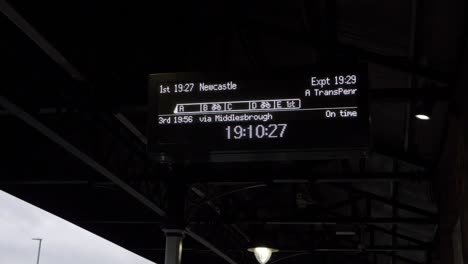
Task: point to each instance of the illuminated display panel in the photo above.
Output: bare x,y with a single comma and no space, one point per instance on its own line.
318,109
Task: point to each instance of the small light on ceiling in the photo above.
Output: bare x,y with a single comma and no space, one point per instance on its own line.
423,110
262,254
423,117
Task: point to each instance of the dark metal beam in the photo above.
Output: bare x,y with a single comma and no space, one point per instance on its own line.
40,41
116,222
42,111
250,176
283,221
129,125
229,179
47,182
67,146
210,246
330,249
376,197
293,220
373,249
324,220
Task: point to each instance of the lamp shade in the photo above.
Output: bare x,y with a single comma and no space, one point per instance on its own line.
262,254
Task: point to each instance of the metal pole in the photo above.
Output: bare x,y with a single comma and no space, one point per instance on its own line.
173,254
39,250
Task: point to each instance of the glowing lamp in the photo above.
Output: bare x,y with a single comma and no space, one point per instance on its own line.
262,254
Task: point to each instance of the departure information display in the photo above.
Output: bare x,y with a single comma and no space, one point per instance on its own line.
204,112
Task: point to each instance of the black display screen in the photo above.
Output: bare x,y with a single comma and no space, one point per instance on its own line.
319,109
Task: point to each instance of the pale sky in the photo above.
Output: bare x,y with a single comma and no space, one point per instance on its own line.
63,242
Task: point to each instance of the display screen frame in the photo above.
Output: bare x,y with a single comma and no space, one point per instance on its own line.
199,150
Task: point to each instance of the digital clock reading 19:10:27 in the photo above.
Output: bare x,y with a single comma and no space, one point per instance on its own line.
256,132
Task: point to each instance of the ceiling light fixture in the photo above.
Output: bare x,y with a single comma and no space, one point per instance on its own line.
423,110
263,254
423,117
